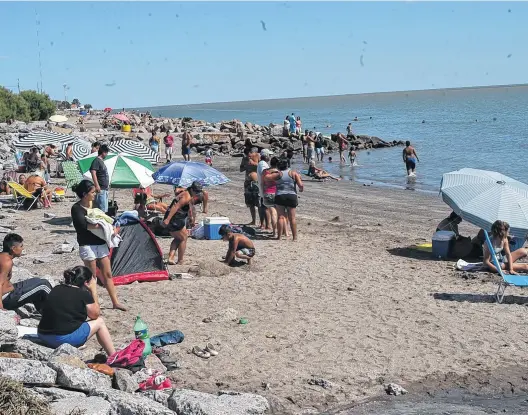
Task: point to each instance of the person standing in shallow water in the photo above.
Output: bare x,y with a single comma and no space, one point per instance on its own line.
410,158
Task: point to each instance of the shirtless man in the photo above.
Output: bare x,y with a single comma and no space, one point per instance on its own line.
13,296
310,141
37,186
410,158
186,145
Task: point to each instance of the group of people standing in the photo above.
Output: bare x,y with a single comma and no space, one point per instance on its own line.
168,142
270,187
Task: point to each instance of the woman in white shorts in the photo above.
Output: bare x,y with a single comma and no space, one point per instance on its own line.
93,250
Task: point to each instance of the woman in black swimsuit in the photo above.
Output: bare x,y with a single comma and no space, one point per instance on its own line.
176,220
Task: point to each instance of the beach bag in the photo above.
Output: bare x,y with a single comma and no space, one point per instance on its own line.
128,356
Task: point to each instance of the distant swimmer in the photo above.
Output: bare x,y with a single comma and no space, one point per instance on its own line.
410,158
423,121
356,119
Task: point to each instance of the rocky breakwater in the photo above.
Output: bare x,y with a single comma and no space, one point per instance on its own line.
229,137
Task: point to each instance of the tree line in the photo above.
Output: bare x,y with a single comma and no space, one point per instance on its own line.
31,105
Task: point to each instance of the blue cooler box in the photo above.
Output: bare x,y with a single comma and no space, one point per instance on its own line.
443,242
212,226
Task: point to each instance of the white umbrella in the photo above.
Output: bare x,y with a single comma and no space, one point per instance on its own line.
481,197
58,118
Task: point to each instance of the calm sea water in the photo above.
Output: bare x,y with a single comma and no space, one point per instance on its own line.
482,128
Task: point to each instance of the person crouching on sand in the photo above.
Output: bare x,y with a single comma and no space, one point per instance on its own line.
240,246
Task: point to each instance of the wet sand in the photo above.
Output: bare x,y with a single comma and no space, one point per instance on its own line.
348,302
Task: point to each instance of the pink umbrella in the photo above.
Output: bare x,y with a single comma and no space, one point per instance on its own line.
121,117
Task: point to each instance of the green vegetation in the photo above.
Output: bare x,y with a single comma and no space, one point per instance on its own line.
26,106
76,102
88,106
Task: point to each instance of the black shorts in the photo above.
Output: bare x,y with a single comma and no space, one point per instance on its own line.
289,201
251,196
176,225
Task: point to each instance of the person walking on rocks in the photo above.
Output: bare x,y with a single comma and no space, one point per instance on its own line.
93,250
168,141
100,178
186,145
12,296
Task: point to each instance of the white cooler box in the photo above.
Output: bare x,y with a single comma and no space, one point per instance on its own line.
212,226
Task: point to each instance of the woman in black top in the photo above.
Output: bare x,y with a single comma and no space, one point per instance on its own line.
176,218
93,250
66,309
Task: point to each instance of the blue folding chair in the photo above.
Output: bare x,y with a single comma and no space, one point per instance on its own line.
507,279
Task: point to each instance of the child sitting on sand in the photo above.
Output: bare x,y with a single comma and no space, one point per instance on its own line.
240,246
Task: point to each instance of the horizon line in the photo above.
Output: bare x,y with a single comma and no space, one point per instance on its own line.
335,96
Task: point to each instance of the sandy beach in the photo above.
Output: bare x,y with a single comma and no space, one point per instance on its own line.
347,302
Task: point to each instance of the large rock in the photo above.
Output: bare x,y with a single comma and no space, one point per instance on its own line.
65,359
79,379
31,350
55,394
189,402
161,397
87,406
66,350
8,330
123,403
31,372
124,381
229,314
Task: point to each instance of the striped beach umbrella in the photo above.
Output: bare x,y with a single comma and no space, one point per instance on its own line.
481,197
125,171
81,148
183,173
134,148
41,138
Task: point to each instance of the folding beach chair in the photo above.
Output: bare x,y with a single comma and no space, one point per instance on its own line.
507,279
21,195
72,173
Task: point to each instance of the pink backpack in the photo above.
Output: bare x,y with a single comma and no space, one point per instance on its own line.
128,356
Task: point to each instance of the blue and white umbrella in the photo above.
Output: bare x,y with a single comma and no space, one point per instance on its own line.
481,197
183,173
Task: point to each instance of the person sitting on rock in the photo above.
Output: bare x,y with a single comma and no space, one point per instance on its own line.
240,246
13,296
69,305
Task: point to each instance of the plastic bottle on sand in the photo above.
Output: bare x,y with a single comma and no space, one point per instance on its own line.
141,332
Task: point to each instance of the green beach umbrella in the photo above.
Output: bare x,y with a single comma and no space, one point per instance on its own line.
125,171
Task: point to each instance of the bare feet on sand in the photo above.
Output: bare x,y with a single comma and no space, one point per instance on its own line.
119,307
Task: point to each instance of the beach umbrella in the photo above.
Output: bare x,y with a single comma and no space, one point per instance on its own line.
481,197
121,117
41,138
125,171
58,118
134,148
107,109
81,148
183,173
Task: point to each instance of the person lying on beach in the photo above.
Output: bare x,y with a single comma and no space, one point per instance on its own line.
319,174
145,200
31,291
240,246
69,305
500,243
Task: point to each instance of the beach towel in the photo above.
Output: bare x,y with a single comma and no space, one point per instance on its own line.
99,214
105,232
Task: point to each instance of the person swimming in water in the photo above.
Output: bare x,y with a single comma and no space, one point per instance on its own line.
410,158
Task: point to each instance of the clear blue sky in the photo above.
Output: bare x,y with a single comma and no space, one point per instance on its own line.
147,54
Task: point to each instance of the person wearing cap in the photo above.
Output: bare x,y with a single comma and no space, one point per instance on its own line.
175,220
240,246
264,214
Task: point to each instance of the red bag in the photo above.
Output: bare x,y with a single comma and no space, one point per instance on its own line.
129,356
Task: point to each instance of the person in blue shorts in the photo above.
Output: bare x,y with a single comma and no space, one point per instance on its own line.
65,313
410,158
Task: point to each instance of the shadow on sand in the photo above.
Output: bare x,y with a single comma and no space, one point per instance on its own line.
64,221
412,252
480,298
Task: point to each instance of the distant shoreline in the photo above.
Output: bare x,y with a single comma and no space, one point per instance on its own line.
294,100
